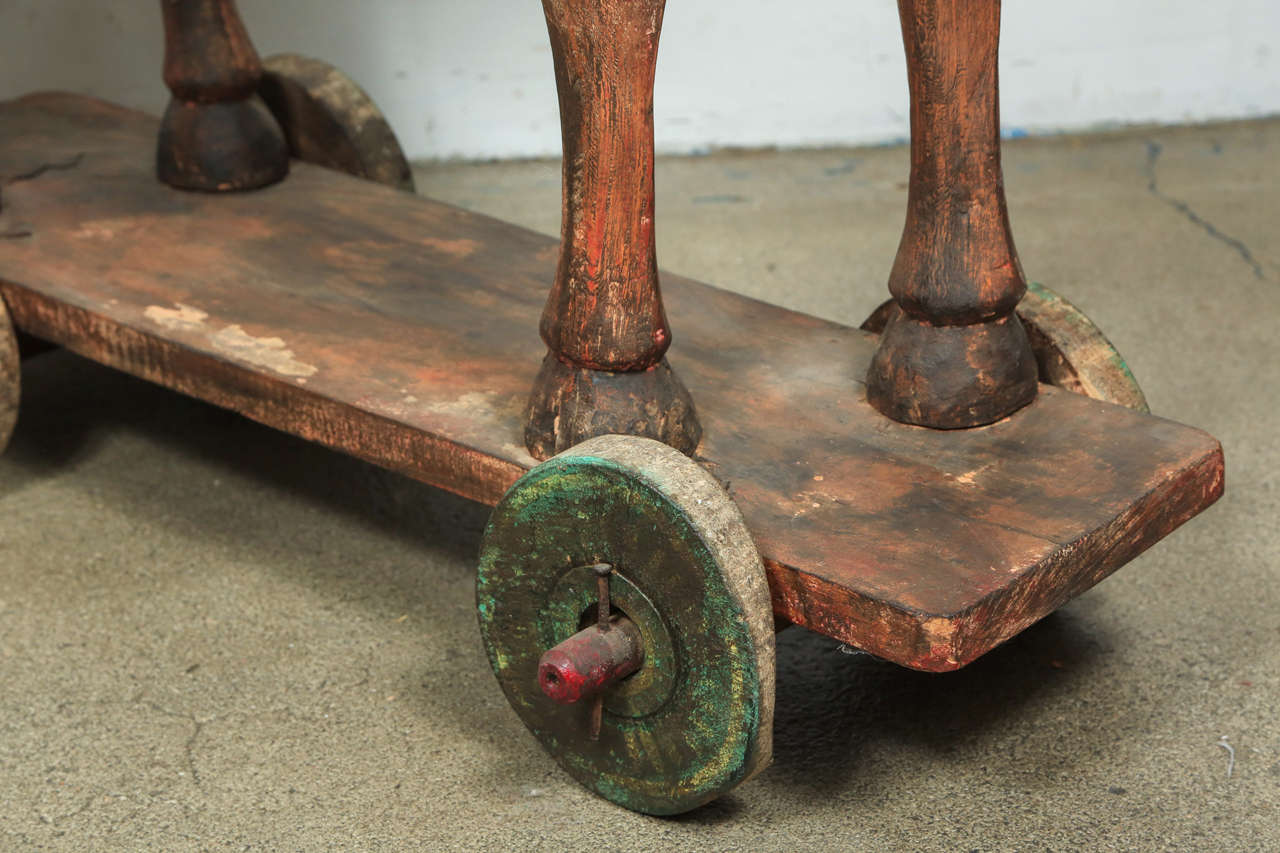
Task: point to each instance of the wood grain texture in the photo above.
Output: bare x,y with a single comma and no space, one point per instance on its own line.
216,134
955,356
330,121
605,311
401,330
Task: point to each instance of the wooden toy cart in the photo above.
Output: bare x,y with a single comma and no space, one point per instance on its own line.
923,488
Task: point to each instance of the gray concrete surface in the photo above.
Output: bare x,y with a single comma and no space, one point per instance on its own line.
214,636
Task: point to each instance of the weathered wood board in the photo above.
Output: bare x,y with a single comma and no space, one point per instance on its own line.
405,332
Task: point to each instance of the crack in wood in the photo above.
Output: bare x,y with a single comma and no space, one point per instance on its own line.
70,163
30,175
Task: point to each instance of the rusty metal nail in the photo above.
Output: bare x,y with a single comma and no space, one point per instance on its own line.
604,609
597,716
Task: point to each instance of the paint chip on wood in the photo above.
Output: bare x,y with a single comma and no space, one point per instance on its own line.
270,353
181,317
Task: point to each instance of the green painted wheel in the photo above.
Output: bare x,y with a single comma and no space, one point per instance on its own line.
1071,351
696,719
10,377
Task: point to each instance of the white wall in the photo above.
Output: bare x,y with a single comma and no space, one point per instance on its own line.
473,78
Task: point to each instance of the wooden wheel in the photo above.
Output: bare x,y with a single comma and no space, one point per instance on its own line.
687,588
1071,352
10,377
330,121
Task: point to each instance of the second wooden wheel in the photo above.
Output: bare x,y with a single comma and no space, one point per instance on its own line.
330,121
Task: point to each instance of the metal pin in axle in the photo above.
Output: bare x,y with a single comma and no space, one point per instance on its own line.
604,611
595,658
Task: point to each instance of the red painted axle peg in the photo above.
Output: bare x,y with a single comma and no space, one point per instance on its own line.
591,661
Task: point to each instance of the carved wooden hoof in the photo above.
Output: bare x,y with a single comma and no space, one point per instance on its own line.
216,135
330,121
951,377
10,377
220,147
1071,352
695,719
571,404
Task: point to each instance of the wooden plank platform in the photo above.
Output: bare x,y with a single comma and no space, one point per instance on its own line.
404,331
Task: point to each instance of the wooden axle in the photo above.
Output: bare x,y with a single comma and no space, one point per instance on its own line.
953,353
216,135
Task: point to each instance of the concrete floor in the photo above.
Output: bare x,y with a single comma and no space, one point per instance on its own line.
214,636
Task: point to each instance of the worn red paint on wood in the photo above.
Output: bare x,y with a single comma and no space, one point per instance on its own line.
604,310
402,331
603,323
955,355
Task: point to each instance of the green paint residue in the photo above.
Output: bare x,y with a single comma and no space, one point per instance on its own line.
570,511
